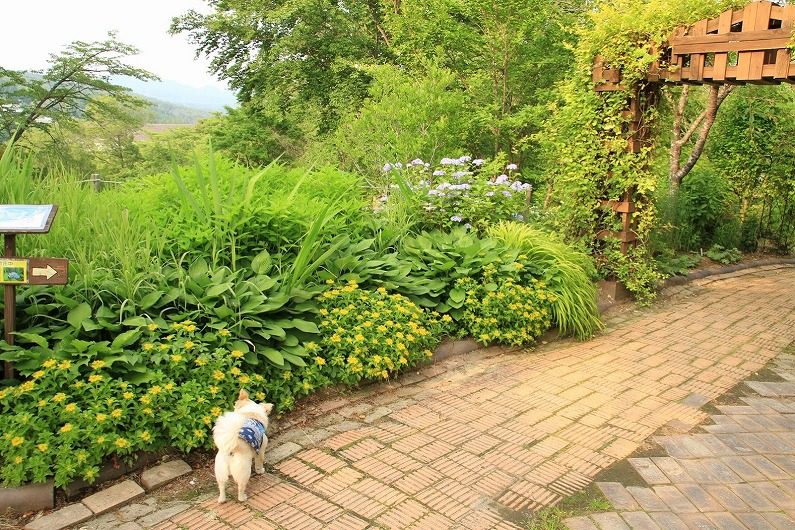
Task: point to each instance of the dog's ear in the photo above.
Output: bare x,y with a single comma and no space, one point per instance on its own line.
268,407
243,395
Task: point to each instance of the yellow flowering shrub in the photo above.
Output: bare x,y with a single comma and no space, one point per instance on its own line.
69,418
504,308
372,335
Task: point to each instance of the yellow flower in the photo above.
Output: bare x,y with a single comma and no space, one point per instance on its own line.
67,427
287,375
218,375
152,326
71,407
359,337
377,359
402,361
389,342
235,371
237,354
43,447
244,379
155,390
215,411
49,363
311,346
324,312
163,347
101,417
176,358
148,346
16,441
147,411
38,374
96,365
128,395
260,396
224,332
64,365
198,433
145,400
384,374
145,436
381,290
320,361
121,443
382,328
447,318
329,282
60,396
18,460
42,403
336,338
27,386
353,360
169,387
116,413
410,337
213,390
190,328
100,440
207,420
428,353
188,344
93,378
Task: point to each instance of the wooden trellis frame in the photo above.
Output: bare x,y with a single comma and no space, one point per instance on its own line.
748,45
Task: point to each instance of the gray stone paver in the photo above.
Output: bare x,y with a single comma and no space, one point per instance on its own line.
516,430
113,497
63,518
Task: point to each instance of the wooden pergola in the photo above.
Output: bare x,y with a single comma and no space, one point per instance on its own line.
748,45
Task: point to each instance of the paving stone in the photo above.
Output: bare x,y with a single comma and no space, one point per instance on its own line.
618,496
702,500
102,522
63,518
672,469
698,521
160,515
640,521
772,389
647,499
780,520
726,521
609,521
281,452
668,521
754,521
113,497
164,473
134,511
580,523
675,499
648,471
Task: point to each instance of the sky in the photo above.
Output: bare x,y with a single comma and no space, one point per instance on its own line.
32,29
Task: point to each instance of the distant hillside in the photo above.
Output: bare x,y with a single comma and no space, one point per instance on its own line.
208,98
166,112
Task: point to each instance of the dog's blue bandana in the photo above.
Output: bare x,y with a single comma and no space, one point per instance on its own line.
253,432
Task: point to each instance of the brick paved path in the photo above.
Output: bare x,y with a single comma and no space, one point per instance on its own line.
477,442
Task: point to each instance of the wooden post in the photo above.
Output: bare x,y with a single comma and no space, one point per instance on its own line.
96,182
9,303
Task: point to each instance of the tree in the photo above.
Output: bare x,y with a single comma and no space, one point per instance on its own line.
682,133
293,57
60,95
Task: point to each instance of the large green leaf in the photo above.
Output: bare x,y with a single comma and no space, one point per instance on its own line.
78,314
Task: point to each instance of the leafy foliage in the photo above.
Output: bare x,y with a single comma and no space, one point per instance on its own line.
727,256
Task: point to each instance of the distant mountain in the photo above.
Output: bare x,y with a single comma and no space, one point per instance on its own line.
167,112
208,98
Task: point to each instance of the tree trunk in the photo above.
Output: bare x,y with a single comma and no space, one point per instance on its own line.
678,171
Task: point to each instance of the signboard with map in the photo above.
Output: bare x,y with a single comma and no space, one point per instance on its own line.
26,218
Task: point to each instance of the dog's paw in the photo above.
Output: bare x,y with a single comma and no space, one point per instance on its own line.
242,497
260,470
221,499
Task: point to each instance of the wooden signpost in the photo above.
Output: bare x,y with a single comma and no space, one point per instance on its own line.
25,219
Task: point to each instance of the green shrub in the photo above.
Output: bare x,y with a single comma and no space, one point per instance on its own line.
637,271
372,335
503,308
727,256
672,265
70,417
567,273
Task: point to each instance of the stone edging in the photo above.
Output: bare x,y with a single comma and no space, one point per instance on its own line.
674,281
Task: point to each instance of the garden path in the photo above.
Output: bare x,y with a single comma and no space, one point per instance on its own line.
480,440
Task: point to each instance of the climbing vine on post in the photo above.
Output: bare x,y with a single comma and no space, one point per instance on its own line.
598,139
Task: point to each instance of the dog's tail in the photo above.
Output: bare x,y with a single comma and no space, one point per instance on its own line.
226,431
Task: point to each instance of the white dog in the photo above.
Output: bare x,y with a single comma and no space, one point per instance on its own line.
240,436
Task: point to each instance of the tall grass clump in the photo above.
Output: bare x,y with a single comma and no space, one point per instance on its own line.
567,272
